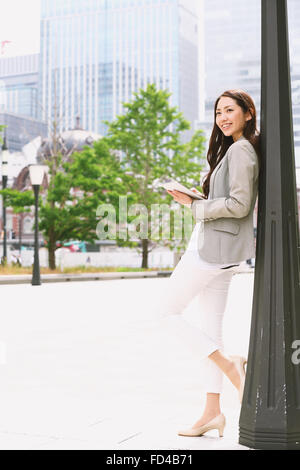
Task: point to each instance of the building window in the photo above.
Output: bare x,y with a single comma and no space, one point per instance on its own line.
28,225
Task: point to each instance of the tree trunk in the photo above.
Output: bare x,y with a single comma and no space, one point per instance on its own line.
145,244
51,252
21,216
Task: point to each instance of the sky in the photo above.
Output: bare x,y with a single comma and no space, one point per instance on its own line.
19,23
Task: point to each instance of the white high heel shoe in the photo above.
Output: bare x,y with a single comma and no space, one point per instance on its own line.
240,363
216,423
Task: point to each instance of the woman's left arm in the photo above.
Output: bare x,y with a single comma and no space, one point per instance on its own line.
243,169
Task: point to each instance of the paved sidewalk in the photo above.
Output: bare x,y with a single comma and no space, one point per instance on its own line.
84,366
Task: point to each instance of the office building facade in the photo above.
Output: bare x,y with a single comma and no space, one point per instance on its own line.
96,53
19,104
19,85
20,130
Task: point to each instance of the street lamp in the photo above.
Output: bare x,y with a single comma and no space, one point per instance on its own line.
36,173
4,184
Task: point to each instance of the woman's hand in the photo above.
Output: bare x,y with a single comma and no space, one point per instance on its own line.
180,197
196,191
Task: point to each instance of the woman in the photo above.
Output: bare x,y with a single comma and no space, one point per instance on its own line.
223,237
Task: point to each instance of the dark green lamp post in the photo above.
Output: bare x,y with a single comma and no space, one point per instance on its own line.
4,184
270,414
36,173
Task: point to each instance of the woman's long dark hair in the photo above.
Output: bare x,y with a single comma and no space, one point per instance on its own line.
219,143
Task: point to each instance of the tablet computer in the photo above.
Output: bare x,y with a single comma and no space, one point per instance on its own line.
172,185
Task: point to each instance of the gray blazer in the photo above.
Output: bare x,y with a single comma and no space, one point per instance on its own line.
226,232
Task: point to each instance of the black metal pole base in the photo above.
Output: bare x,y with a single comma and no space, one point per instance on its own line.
270,413
269,440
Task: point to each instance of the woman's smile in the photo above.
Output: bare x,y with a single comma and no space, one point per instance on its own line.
227,107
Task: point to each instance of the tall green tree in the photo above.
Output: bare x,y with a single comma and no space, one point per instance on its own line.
18,201
76,189
149,136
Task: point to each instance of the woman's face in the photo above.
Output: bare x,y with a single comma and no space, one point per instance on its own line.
231,115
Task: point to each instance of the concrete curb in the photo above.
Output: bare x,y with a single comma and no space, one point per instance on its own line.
26,278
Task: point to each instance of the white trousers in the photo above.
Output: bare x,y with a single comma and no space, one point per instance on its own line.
192,278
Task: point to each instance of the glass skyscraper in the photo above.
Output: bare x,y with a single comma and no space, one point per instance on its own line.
19,100
95,53
19,85
20,130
